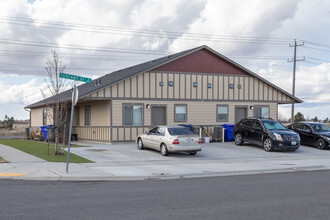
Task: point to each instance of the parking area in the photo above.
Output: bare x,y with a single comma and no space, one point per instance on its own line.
126,162
128,152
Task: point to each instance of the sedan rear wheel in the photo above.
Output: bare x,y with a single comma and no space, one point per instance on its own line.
140,144
163,150
239,139
320,144
268,145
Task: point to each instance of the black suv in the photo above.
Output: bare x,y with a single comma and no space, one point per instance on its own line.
266,132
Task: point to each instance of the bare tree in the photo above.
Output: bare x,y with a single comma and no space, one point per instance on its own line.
56,107
282,117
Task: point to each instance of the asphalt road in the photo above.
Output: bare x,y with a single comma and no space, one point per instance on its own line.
299,195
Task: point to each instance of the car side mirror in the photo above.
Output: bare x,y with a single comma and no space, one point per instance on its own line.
146,132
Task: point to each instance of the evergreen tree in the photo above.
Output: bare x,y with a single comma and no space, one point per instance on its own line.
299,117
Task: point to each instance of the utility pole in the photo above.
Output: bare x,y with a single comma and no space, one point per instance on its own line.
294,74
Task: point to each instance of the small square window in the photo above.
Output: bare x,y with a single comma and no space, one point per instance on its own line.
170,83
161,83
231,86
209,85
239,86
195,84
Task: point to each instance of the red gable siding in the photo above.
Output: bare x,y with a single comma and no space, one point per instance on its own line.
202,61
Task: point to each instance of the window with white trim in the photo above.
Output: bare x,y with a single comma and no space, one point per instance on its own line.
180,113
261,111
133,115
222,113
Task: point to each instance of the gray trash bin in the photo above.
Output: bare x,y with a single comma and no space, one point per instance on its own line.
217,133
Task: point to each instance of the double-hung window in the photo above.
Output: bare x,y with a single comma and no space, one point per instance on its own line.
87,116
222,113
133,115
44,117
180,113
261,111
77,116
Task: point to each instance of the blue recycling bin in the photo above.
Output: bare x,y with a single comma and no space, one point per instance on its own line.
45,130
188,126
229,132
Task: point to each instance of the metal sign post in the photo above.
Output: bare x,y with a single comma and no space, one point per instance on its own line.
74,102
70,132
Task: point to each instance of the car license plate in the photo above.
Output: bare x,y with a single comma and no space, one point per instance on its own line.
293,143
188,141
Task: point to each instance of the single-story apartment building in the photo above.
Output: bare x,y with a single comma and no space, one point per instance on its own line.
197,86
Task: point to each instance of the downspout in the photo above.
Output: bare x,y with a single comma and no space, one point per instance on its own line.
29,113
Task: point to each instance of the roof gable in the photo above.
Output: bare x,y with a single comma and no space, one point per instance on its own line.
202,61
203,58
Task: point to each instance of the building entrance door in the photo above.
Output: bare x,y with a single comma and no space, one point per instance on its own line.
158,115
240,113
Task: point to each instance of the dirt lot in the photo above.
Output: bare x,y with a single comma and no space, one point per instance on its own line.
18,131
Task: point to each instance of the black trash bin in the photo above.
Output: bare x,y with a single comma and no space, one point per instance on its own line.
74,137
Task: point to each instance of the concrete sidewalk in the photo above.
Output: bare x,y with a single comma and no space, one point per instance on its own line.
126,162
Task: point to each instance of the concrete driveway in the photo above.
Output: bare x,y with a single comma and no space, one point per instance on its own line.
126,161
215,159
128,152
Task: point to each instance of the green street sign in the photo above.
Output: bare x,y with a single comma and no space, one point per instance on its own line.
76,78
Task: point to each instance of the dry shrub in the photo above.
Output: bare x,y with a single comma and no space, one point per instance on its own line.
33,135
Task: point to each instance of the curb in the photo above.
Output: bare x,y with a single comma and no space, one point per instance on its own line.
172,177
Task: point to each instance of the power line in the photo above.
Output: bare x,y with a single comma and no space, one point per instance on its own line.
312,48
318,59
141,32
79,47
316,44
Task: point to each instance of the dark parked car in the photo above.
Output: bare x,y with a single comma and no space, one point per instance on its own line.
266,132
312,133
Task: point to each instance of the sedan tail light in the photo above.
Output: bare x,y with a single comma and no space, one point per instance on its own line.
175,141
200,140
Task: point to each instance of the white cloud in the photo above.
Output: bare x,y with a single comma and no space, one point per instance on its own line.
311,87
237,18
301,19
152,11
26,93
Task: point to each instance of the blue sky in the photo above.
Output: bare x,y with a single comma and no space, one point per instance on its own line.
94,38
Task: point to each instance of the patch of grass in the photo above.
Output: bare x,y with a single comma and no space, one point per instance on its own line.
39,149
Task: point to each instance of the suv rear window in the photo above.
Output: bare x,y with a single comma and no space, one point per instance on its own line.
273,125
248,123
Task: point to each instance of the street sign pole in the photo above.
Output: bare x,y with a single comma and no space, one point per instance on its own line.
70,132
74,102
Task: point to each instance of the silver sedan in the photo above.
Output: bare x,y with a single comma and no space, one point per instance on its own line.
170,139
